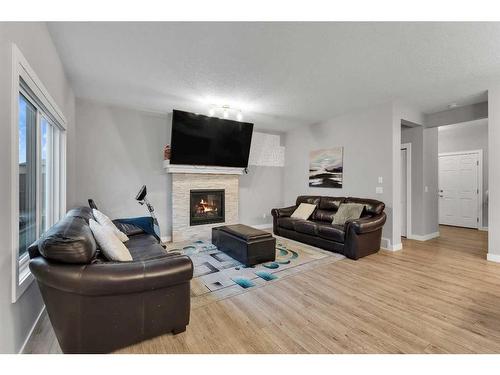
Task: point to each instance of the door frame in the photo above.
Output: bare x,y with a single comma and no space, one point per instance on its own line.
479,154
407,147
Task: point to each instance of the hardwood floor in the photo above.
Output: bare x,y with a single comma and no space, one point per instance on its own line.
439,296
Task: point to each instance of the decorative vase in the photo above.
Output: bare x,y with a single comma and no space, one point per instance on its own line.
166,152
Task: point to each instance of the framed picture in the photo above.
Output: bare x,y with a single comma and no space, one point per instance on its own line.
326,167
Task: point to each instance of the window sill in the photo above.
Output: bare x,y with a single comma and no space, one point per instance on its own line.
25,278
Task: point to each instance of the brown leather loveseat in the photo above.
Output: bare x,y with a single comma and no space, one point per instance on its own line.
98,306
355,239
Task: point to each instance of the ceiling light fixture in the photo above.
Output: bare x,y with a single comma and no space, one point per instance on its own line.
226,112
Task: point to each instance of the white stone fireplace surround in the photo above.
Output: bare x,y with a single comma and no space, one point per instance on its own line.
182,184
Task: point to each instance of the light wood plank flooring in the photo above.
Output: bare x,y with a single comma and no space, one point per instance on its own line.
439,296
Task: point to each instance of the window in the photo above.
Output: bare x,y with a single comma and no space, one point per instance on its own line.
39,167
38,140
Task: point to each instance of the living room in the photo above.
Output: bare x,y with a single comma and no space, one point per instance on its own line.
249,187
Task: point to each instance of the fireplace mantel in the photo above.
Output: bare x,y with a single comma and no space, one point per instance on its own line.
199,169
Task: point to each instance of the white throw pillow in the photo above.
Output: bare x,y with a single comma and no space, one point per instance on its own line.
108,242
304,211
106,222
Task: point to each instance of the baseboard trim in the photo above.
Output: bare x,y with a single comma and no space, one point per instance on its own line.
166,239
262,226
493,257
386,245
31,330
484,229
425,237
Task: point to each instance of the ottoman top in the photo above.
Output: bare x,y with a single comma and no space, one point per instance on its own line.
244,232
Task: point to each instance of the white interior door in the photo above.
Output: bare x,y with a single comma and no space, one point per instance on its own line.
458,190
404,198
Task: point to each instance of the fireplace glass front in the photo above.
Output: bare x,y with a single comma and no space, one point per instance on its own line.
206,207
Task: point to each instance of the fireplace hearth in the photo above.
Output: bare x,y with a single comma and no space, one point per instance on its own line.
206,206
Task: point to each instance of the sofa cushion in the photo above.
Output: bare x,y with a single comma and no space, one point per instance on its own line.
69,241
372,206
287,222
330,203
311,199
83,212
323,215
144,246
331,232
128,229
306,227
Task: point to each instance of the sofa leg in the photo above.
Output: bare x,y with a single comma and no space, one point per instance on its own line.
176,331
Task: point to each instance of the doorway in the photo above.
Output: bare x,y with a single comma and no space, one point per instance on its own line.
460,188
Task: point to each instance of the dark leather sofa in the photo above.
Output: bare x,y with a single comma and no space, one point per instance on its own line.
98,306
355,239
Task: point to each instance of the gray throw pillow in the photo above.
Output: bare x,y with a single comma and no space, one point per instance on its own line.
348,211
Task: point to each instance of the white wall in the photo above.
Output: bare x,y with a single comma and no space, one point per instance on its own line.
260,191
415,136
431,180
494,173
457,115
367,138
35,43
424,170
465,137
120,149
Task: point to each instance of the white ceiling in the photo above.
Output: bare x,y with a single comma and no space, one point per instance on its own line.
280,74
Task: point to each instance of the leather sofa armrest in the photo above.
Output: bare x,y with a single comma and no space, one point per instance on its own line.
113,278
283,212
366,225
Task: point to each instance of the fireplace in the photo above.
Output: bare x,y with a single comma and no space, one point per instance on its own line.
206,207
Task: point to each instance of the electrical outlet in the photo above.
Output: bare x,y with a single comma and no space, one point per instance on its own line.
380,180
379,190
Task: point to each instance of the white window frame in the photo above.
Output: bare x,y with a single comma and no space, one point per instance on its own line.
21,275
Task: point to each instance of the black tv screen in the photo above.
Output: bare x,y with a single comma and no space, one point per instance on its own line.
210,141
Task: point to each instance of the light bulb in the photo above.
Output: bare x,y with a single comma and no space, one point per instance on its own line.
239,116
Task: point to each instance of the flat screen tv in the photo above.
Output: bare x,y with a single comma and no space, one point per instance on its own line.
210,141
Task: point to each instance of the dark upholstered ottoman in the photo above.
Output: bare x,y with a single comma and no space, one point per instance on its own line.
247,245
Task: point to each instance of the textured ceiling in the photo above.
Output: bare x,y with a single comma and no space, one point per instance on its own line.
280,74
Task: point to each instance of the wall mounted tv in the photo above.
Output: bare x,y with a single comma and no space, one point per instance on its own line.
210,141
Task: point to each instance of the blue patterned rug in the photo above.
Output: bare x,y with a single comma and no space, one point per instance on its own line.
217,275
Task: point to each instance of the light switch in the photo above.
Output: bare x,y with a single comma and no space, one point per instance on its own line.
426,189
380,180
379,190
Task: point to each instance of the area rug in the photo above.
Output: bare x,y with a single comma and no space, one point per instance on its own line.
217,275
